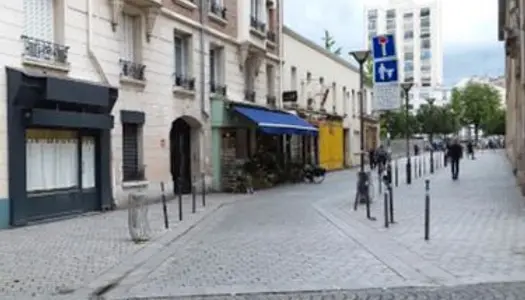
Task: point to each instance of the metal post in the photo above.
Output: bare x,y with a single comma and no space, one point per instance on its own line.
203,182
424,165
390,190
179,191
427,210
379,179
408,166
386,208
419,167
193,197
396,170
415,168
164,206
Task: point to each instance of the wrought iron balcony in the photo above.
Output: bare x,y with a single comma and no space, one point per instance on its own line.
132,70
249,95
271,101
185,82
256,24
45,50
218,89
217,9
271,36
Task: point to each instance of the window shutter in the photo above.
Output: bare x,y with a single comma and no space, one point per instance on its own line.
39,19
130,156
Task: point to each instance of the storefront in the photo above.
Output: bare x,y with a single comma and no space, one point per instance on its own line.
331,144
371,133
58,146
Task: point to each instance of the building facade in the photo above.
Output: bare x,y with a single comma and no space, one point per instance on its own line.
417,30
510,31
106,97
327,94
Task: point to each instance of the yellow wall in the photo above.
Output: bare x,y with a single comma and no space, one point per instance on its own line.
331,150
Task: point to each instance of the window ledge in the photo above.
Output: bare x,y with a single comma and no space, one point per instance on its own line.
135,184
217,19
271,44
133,81
183,92
31,61
186,4
258,33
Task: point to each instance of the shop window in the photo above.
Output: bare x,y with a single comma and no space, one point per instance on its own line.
52,160
88,162
132,168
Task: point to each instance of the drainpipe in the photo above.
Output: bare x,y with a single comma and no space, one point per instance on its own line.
202,11
91,53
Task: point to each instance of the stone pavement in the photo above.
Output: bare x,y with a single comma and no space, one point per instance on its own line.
46,260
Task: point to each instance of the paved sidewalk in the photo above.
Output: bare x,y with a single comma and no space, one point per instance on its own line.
59,257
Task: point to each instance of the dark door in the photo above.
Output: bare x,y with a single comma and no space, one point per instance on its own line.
180,156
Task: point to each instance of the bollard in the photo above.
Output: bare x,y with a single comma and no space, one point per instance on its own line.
415,168
194,196
179,191
419,167
379,182
391,196
427,210
164,206
424,165
386,208
203,191
396,173
138,223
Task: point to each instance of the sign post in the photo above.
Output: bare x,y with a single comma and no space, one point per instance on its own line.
386,75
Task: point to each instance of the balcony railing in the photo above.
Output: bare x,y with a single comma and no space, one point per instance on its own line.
256,24
185,82
45,50
271,36
249,95
271,101
217,9
218,89
132,70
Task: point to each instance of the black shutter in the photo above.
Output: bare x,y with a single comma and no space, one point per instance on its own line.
130,155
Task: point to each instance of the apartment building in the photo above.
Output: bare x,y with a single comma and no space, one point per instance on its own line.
417,30
326,89
106,97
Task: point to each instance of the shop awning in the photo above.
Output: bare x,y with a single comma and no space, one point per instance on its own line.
273,122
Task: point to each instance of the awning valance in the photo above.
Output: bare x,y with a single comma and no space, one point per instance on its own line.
273,122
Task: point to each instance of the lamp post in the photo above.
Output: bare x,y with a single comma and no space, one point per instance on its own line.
362,185
406,86
430,102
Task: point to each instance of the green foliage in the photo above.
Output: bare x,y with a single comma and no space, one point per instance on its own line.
437,119
496,124
395,122
369,71
475,104
329,43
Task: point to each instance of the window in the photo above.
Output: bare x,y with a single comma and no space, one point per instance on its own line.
409,55
409,35
424,12
390,24
425,44
39,19
257,10
321,81
293,79
129,27
409,77
182,55
345,100
426,55
372,13
372,24
426,79
354,104
334,94
308,77
408,15
270,80
132,169
425,68
216,65
425,35
409,66
391,14
425,23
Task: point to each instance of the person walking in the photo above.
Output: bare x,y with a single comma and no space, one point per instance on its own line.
372,158
455,153
470,150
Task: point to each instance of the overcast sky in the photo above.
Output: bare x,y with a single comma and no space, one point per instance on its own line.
469,30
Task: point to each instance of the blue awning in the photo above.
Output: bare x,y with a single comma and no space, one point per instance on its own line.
273,122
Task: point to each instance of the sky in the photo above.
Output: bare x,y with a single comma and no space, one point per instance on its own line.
469,31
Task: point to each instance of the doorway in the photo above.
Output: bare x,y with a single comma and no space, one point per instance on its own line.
180,156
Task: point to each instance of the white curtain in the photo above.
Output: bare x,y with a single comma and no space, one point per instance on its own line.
51,159
38,19
88,162
129,24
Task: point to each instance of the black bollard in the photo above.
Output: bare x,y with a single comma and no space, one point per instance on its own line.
164,206
203,182
194,197
396,173
419,167
424,165
427,210
386,208
379,181
179,191
415,167
391,196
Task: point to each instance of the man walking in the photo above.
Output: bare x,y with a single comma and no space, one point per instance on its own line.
470,150
455,153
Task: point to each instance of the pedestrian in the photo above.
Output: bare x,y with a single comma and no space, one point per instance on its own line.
381,158
470,150
455,153
372,158
416,150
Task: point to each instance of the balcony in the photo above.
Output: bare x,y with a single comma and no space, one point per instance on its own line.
218,89
45,54
217,13
184,85
257,27
249,96
150,8
132,72
188,4
271,38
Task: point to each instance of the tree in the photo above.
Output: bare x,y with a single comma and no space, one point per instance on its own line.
395,122
475,104
329,43
447,121
369,71
496,124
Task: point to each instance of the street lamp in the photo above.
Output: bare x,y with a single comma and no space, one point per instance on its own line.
406,86
362,195
430,102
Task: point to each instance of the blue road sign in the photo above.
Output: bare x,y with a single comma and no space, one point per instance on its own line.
386,71
383,46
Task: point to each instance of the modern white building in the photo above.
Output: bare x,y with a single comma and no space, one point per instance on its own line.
417,29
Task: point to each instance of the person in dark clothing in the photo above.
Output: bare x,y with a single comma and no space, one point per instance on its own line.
381,158
416,150
470,150
372,158
455,153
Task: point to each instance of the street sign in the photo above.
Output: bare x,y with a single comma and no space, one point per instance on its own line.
383,46
386,75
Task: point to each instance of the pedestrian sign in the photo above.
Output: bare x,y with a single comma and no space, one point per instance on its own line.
386,71
384,46
386,75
